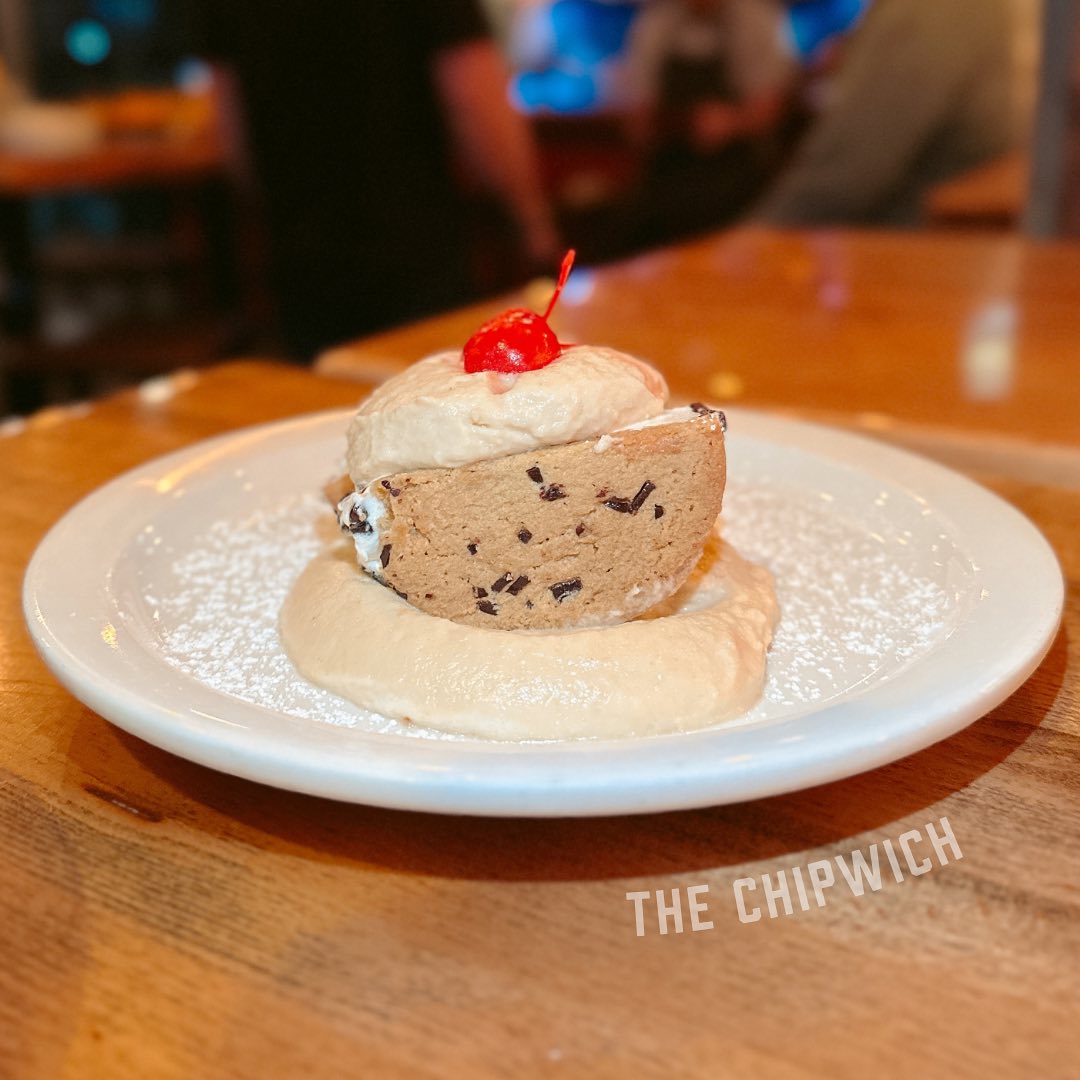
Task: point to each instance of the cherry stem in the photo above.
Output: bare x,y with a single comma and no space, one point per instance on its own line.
564,273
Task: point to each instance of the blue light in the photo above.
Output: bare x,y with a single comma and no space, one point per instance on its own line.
589,30
87,42
560,91
130,14
813,23
569,48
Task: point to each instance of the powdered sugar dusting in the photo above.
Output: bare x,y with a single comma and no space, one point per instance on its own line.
851,601
856,602
218,623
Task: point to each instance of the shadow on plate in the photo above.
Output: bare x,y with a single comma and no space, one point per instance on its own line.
153,786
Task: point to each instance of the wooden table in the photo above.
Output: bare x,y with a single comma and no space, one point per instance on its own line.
116,162
976,333
187,161
993,194
158,919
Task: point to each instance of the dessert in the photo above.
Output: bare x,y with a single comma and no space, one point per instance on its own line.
590,533
696,660
537,550
525,485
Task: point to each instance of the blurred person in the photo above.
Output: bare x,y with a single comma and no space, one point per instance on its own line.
706,88
923,91
358,119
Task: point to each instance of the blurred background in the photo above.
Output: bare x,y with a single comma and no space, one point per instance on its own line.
181,181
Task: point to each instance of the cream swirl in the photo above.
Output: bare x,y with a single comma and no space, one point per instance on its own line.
437,415
696,660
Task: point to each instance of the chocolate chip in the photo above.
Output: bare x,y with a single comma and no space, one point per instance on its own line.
704,410
518,585
535,475
580,529
552,492
429,596
478,591
384,555
487,607
357,524
657,511
498,586
471,548
524,535
393,490
631,506
563,589
528,604
643,493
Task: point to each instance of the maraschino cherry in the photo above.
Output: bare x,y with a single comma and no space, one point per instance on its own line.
518,339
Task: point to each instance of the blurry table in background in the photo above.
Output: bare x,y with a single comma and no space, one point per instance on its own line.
115,162
160,919
161,141
977,333
992,195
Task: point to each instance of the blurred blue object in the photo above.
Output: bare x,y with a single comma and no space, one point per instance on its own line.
581,39
590,30
130,14
557,89
87,42
813,23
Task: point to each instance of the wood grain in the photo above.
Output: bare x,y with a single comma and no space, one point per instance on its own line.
158,919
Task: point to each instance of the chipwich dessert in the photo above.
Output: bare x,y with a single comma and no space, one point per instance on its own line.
537,550
553,495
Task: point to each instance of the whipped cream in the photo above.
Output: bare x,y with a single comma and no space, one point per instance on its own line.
696,660
361,514
436,415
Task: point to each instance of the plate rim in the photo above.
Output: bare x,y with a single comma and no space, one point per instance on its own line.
412,774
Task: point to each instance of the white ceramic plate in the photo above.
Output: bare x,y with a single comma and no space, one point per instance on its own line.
913,602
